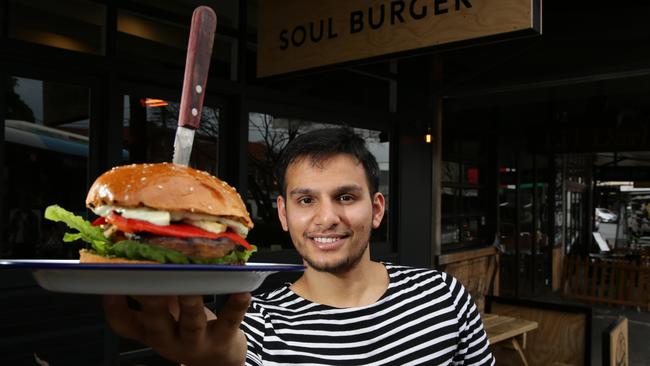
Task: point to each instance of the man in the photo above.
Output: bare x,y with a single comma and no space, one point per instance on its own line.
345,309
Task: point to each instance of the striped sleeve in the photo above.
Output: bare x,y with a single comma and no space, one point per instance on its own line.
473,345
253,327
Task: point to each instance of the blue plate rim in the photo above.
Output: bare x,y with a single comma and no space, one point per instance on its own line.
63,264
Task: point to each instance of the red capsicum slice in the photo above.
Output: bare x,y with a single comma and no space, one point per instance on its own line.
99,221
175,230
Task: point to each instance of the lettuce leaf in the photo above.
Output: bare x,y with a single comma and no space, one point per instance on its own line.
131,249
85,230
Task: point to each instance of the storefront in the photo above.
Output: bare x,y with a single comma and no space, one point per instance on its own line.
513,124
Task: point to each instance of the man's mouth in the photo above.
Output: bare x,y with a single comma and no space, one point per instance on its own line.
328,242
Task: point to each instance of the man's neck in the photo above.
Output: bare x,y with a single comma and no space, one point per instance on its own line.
362,285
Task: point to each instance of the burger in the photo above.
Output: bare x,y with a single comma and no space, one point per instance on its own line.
160,213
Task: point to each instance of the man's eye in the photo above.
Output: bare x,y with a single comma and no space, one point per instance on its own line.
346,198
305,201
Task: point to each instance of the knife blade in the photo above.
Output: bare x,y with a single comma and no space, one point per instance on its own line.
197,64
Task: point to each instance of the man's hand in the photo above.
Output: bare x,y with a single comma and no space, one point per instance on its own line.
178,328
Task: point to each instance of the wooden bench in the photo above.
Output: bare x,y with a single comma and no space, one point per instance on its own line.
562,336
501,328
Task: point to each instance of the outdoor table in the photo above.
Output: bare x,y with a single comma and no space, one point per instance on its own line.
501,328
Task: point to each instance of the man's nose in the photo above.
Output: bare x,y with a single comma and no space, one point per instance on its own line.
327,214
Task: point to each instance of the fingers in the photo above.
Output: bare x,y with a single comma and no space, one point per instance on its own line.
192,319
122,319
232,313
178,327
158,324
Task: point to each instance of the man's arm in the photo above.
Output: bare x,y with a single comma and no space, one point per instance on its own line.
474,347
188,338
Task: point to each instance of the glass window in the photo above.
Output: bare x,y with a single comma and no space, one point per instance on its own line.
471,202
150,128
75,25
267,137
470,174
46,152
450,231
148,39
471,149
449,200
470,227
227,11
450,172
463,202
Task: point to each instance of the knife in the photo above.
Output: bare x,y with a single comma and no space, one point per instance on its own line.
197,64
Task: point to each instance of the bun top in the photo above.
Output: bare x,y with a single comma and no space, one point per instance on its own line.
167,187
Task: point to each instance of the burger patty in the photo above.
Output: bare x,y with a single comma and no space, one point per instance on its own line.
192,247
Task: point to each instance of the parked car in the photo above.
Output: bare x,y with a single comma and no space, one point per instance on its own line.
605,215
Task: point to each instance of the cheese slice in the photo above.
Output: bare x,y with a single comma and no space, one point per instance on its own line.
211,226
210,223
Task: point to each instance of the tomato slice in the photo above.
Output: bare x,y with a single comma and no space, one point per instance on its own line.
175,230
99,221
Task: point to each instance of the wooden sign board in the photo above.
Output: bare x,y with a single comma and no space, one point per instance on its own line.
297,35
615,344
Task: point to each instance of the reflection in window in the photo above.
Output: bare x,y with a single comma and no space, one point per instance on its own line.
450,232
267,138
144,38
75,25
463,206
449,198
227,11
150,128
46,152
450,171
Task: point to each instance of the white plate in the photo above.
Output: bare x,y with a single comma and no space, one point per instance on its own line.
147,279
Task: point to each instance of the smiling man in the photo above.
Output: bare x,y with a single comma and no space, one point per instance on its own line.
345,309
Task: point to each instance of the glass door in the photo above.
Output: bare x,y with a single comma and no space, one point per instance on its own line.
46,149
523,223
149,128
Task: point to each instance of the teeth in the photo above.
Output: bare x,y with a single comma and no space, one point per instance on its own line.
325,240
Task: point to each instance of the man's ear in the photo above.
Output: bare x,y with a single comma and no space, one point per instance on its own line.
378,205
282,213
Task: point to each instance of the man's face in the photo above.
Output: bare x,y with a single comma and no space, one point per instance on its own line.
329,212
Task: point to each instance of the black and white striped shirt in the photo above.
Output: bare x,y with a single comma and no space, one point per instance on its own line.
426,317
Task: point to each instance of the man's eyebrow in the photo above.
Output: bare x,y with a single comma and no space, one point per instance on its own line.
299,191
351,188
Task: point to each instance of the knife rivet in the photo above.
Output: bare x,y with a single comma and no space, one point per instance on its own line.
198,89
194,112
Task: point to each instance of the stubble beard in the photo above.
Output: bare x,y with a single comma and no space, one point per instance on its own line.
341,266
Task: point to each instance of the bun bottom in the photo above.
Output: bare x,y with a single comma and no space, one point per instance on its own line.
86,256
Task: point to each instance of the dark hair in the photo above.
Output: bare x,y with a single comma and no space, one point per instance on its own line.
322,144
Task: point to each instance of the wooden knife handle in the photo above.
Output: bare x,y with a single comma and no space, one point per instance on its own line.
197,64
